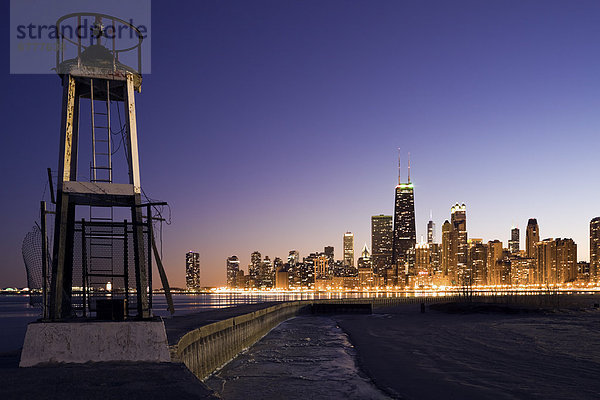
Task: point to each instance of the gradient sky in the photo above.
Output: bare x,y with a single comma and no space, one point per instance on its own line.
274,125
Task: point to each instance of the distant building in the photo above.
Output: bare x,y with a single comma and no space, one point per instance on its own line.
321,263
365,260
435,261
478,262
459,245
192,270
513,243
381,243
522,269
557,261
328,250
282,279
266,276
583,271
422,270
595,249
254,267
307,271
430,231
349,249
233,267
447,250
405,232
495,254
293,269
532,237
242,281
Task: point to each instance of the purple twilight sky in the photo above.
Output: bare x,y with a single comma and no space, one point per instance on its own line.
274,125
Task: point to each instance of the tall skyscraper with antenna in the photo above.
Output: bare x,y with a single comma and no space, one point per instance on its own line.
430,229
405,232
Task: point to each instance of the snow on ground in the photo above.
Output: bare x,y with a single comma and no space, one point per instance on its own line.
308,357
479,356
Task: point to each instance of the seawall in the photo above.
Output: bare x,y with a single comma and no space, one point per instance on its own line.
208,348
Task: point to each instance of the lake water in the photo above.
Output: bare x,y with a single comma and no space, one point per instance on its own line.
16,313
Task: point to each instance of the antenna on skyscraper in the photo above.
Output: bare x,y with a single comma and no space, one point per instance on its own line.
431,215
409,167
399,166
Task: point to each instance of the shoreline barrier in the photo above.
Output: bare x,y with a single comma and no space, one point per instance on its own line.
208,348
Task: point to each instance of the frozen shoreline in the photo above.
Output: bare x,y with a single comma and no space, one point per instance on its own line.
478,356
307,357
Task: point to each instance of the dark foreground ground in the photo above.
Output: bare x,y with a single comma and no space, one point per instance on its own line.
114,380
449,353
479,353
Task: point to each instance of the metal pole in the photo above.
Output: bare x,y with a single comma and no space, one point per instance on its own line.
83,267
126,266
149,222
44,260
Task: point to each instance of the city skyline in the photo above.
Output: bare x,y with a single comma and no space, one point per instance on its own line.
459,253
273,149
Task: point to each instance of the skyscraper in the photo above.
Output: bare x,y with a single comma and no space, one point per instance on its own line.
328,251
254,267
495,253
381,243
447,250
532,237
266,275
293,268
513,243
557,261
233,267
192,270
349,249
595,249
365,260
459,245
478,261
430,230
405,232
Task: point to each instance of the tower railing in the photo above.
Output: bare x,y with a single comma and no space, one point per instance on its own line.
71,52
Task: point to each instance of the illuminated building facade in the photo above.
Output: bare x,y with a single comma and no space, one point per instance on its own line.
435,261
233,267
430,231
495,253
594,249
422,271
478,261
459,245
349,249
522,270
405,231
532,237
192,270
254,267
447,250
266,275
557,261
513,243
381,243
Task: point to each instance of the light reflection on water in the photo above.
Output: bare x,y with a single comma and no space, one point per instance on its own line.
16,313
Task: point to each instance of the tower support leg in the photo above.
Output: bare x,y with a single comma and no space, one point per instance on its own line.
62,260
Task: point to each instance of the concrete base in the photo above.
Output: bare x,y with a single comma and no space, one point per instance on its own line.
80,342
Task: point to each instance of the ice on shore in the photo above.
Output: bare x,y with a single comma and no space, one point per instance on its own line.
308,357
479,356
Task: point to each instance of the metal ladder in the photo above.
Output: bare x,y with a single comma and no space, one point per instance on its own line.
102,236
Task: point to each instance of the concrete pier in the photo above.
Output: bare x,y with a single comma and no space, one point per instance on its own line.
94,341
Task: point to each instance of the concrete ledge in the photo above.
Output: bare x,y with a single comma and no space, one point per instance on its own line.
81,342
